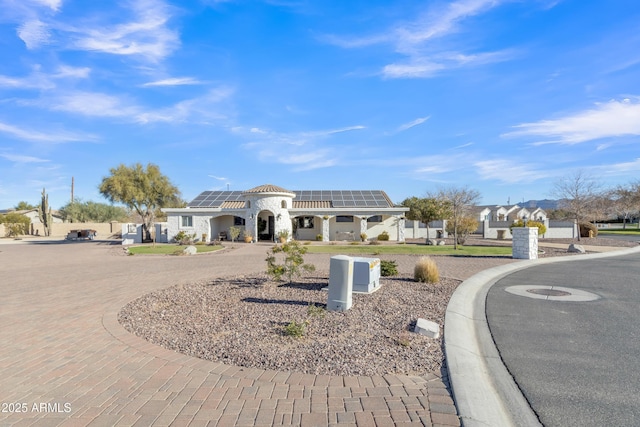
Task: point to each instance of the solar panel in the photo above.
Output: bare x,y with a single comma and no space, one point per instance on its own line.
214,199
338,198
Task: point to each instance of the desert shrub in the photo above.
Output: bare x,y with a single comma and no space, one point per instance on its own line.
384,236
234,233
465,226
585,227
15,224
363,236
307,243
354,243
295,329
182,238
426,270
319,237
520,223
293,264
316,311
388,268
374,242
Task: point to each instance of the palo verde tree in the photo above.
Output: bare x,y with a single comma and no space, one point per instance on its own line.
426,210
460,201
141,189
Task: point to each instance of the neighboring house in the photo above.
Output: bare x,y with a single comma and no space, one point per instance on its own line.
267,210
33,215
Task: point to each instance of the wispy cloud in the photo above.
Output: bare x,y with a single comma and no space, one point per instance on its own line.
413,123
175,81
92,104
416,41
146,34
204,109
54,5
507,171
34,33
301,150
606,120
18,158
49,137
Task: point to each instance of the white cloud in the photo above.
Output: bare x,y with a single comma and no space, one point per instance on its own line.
413,123
93,104
507,171
611,119
203,109
175,81
54,5
18,158
51,136
65,71
417,41
621,168
146,35
34,33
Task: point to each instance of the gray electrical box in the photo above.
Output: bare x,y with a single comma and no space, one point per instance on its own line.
340,283
366,274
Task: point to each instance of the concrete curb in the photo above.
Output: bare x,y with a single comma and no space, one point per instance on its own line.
484,391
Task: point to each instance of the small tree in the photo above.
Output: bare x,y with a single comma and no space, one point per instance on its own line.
234,233
293,265
144,190
25,206
577,191
426,210
461,228
460,201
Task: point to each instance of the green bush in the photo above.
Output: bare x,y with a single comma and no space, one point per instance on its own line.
182,238
585,227
384,236
15,224
319,237
316,311
520,223
426,270
295,329
388,268
363,236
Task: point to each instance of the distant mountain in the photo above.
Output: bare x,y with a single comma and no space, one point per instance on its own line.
543,204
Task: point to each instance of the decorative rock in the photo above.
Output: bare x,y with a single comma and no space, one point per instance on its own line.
441,243
577,249
430,242
427,328
190,250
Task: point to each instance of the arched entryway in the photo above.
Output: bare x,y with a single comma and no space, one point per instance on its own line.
266,226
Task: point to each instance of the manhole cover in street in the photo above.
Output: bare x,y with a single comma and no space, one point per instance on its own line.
549,292
552,293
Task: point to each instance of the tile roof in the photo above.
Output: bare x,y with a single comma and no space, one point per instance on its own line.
233,205
311,204
268,188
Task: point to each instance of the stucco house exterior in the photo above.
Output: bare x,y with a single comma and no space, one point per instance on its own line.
265,211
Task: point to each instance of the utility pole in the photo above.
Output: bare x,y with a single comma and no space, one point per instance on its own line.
71,189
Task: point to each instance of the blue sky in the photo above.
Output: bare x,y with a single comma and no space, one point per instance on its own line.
405,96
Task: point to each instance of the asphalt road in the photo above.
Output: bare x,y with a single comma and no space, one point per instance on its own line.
627,237
577,363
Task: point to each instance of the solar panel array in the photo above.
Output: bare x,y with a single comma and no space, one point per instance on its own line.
346,198
214,199
338,198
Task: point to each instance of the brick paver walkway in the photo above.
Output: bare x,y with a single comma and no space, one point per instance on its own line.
65,360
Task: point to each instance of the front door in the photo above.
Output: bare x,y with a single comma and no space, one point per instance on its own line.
271,227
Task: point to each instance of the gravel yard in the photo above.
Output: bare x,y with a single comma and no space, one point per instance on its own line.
240,320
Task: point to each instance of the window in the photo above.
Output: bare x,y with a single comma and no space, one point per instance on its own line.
238,220
375,218
283,205
248,204
344,218
187,221
305,222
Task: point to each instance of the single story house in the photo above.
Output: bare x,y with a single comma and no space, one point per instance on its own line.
266,211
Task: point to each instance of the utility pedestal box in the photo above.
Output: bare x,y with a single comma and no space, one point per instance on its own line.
366,275
340,283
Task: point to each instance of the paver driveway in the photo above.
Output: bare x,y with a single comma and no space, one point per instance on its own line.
65,360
